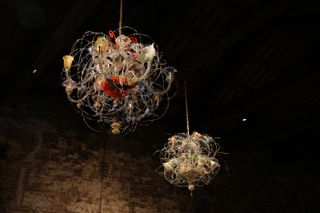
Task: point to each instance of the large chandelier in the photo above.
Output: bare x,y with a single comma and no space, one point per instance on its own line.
117,80
190,160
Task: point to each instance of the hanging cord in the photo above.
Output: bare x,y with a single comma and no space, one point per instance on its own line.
186,103
120,20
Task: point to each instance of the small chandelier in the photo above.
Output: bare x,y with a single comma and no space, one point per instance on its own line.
117,80
190,160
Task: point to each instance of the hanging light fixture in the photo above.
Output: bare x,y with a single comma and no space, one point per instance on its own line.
189,160
117,80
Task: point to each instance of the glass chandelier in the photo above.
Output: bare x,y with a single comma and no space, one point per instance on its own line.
117,80
189,160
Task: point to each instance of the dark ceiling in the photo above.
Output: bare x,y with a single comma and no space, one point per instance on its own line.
242,58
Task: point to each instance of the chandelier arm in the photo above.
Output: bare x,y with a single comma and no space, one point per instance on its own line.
66,72
146,73
166,90
76,101
168,86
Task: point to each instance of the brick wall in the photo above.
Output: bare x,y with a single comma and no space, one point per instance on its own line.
50,162
47,167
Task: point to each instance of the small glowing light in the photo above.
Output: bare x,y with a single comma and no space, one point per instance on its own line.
244,119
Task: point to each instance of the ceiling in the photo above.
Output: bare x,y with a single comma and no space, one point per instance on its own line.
241,58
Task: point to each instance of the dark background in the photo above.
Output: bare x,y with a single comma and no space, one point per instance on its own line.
257,60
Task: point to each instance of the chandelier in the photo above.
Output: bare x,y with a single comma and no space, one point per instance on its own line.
117,79
189,160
